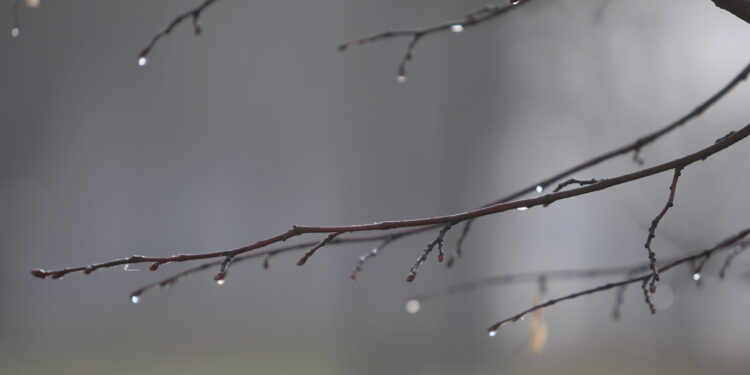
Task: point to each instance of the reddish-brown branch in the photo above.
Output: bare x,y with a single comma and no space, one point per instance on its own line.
438,241
730,258
652,230
643,279
545,200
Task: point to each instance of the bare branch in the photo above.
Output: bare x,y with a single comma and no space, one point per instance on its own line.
730,258
317,246
652,230
370,254
423,258
642,279
438,220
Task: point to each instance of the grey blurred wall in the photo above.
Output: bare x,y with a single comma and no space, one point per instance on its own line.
260,123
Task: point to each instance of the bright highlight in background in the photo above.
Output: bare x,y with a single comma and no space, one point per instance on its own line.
412,306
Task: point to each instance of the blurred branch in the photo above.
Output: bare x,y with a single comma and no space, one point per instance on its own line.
652,230
332,231
740,8
193,14
642,279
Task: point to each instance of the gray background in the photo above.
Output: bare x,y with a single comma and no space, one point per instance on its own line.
260,123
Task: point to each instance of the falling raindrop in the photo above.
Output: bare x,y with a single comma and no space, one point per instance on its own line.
457,28
401,78
135,299
142,61
696,276
539,189
412,306
492,333
522,208
15,32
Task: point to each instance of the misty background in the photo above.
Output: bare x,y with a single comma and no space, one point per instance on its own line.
260,123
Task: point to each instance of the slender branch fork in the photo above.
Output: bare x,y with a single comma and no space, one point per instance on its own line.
642,279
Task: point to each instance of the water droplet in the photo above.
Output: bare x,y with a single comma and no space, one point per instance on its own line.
374,251
401,79
15,32
220,281
492,333
522,208
514,2
412,307
457,28
696,276
362,258
142,61
135,299
539,189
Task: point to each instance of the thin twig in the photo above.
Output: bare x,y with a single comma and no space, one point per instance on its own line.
730,258
574,181
317,247
365,257
459,252
194,14
654,224
423,258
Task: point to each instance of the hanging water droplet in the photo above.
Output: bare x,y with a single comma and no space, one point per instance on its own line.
374,251
413,306
514,2
696,276
492,333
522,208
142,61
401,79
135,299
15,32
220,281
362,258
539,189
457,28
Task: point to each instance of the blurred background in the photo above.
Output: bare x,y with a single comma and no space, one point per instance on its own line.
260,123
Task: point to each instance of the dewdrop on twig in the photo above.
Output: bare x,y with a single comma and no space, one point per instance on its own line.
457,28
142,61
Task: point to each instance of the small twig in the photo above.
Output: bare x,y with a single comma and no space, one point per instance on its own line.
574,181
193,14
647,293
365,257
422,258
459,251
315,248
220,277
652,229
642,279
620,293
730,258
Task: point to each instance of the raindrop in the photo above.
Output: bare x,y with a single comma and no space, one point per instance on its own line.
539,189
362,258
142,61
492,333
374,251
15,32
514,2
412,307
522,208
696,276
401,79
220,282
457,28
135,299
